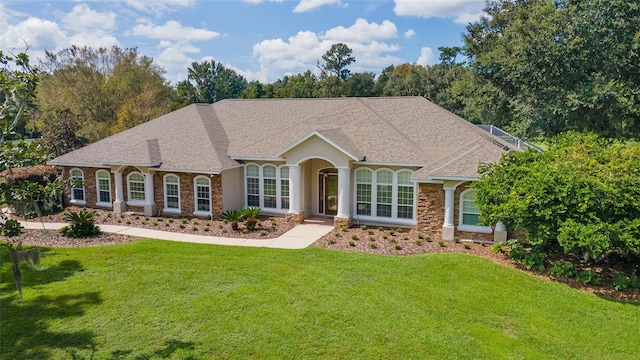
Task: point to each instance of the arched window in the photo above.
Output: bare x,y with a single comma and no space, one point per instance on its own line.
135,187
384,198
171,193
363,191
103,185
470,215
405,195
253,185
284,187
202,188
77,186
269,186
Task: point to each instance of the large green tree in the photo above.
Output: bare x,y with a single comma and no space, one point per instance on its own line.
544,67
106,90
337,58
208,82
583,193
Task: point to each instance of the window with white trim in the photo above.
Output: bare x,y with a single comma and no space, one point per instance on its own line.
284,187
470,213
253,185
405,195
103,185
203,194
384,194
77,186
171,193
267,186
135,187
363,191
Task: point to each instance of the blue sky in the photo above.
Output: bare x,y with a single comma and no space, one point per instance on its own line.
261,39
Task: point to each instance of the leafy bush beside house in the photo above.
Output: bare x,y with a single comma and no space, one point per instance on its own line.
582,193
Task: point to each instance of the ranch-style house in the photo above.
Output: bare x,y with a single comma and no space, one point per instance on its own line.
395,161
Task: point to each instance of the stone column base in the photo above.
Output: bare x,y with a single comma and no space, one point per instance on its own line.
339,222
294,218
119,207
448,232
150,210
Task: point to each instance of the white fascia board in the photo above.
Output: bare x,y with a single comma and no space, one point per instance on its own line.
245,159
389,164
54,163
327,140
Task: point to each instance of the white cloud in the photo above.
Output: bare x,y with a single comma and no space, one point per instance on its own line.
38,34
362,30
158,7
462,11
304,50
261,1
410,34
307,5
172,30
426,57
82,18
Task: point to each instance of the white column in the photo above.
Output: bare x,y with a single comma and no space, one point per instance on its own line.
150,208
344,193
448,230
295,189
119,205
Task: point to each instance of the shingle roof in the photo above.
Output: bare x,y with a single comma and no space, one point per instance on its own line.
392,130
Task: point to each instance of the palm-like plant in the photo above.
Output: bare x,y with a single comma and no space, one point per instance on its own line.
250,216
233,217
82,224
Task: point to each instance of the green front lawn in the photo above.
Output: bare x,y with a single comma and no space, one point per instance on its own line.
154,299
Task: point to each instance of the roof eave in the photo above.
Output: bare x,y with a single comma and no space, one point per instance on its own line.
329,141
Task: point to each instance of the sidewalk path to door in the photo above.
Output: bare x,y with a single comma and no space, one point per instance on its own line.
299,237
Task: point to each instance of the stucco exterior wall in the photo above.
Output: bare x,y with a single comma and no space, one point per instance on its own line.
233,185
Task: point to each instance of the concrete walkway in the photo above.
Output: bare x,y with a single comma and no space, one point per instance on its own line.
299,237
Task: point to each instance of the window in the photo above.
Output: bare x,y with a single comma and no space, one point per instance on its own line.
203,195
284,187
253,185
384,193
405,195
77,186
103,179
363,192
470,213
171,193
269,186
135,185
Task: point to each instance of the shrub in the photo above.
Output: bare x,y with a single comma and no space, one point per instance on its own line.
589,277
392,241
155,223
195,222
418,242
82,224
184,221
194,228
370,232
372,239
497,248
534,261
421,236
345,229
245,230
622,282
398,247
517,252
363,227
351,243
170,220
373,245
405,238
337,235
207,229
428,238
392,232
128,222
563,269
354,237
380,228
166,224
467,246
250,216
232,217
182,226
456,239
442,244
331,241
263,232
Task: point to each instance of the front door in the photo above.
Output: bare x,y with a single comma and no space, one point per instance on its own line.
328,192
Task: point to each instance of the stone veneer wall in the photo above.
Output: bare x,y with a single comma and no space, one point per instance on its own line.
430,209
90,186
186,190
430,212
